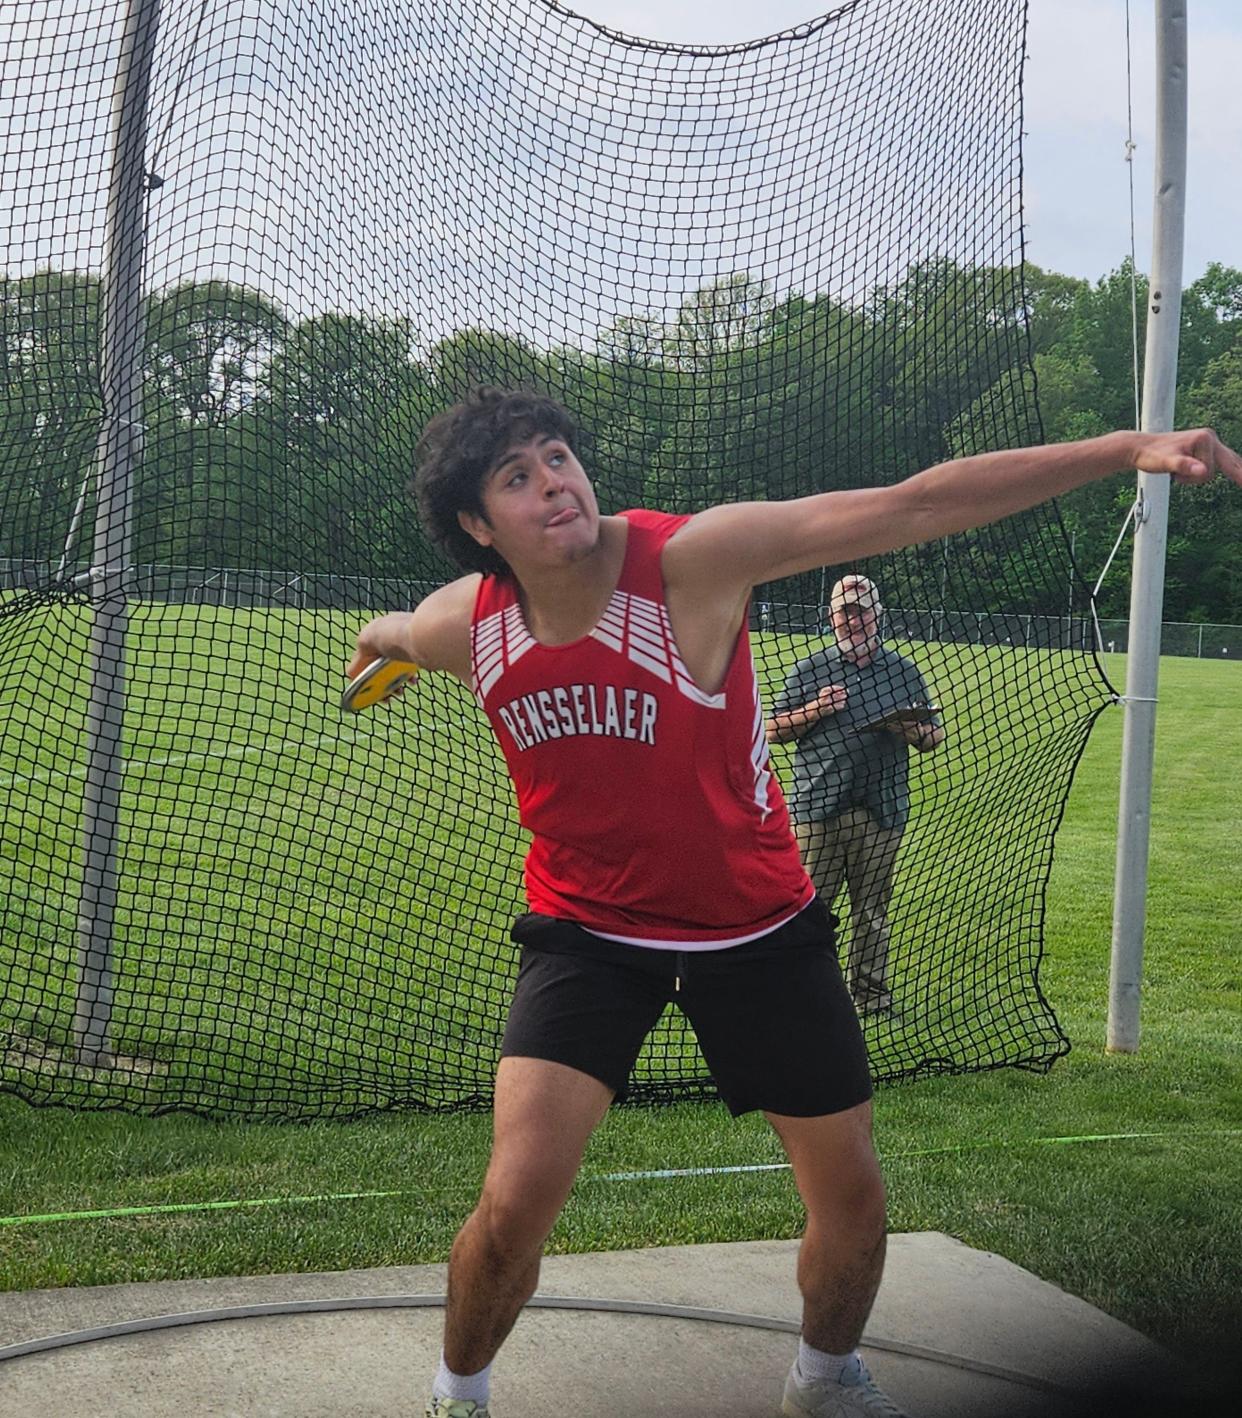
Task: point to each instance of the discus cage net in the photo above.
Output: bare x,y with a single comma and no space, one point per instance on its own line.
752,271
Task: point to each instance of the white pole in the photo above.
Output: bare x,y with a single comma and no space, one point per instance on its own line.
111,575
1151,532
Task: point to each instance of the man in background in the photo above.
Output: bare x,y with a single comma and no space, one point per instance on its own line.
855,709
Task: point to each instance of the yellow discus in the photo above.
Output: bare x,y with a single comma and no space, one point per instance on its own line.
381,680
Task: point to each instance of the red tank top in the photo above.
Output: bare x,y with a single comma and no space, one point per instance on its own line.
654,815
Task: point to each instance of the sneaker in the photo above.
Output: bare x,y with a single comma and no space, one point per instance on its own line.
860,1399
880,1002
456,1408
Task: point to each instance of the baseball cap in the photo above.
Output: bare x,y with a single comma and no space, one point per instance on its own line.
855,591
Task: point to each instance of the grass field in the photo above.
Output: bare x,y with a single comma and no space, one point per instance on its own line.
272,854
1148,1226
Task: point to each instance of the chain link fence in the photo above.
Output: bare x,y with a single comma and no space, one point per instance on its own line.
1033,632
234,587
237,587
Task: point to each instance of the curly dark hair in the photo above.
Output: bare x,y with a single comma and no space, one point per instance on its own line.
458,449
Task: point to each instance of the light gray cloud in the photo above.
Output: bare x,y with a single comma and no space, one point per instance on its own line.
55,94
445,161
1077,182
1076,176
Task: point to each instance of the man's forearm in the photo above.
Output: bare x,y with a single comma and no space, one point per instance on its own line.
985,487
792,723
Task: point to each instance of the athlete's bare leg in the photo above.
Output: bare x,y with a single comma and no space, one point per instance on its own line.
544,1114
842,1254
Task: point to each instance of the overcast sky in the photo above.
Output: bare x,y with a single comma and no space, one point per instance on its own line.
260,194
1076,176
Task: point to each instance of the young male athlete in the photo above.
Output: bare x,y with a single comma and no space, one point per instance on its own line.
611,656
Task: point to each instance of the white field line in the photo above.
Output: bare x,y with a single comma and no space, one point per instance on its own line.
174,760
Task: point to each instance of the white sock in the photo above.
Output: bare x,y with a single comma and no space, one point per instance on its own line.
817,1367
450,1385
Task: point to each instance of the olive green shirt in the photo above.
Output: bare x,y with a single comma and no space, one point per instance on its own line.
838,762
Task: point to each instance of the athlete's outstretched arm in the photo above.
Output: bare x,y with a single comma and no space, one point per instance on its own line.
752,542
435,635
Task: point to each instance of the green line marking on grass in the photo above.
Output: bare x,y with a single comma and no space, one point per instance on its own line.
664,1174
188,1206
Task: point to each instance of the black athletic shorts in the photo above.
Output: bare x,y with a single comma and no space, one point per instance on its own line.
773,1017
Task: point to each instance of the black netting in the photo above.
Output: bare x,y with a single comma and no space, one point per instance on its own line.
753,272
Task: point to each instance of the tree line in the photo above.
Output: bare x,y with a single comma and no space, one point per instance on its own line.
284,444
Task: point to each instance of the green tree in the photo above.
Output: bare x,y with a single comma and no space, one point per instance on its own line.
1102,333
207,346
1211,321
632,340
717,319
51,408
624,406
1205,523
344,392
952,332
470,358
1051,302
208,473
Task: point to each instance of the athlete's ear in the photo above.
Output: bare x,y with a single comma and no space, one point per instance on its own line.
475,525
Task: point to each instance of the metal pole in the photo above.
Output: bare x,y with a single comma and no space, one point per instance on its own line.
75,524
120,451
1069,609
1151,533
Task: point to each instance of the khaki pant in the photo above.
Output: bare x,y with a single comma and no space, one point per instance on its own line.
855,849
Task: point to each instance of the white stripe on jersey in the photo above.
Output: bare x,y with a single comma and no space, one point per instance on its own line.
496,642
640,630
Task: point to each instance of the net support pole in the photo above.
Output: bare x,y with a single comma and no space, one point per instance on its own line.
1151,533
119,452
